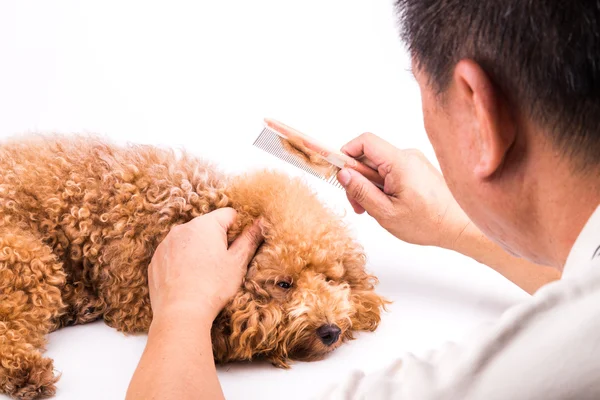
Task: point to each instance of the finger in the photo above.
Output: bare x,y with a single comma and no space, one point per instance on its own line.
225,217
247,243
370,146
363,192
365,160
355,206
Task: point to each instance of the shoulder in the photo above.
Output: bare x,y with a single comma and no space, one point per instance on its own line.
546,347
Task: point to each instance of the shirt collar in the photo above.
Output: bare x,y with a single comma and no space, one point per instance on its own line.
586,250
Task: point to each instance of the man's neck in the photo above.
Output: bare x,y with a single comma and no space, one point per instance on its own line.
566,200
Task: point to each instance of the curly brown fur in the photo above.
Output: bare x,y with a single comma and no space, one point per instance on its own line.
80,219
298,148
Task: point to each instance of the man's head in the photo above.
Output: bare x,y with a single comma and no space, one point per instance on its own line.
511,97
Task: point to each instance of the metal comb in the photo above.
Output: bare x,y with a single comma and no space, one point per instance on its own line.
275,136
270,141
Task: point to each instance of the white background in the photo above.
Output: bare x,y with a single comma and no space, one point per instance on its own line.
202,75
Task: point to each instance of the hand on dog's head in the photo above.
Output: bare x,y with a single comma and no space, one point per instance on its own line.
305,294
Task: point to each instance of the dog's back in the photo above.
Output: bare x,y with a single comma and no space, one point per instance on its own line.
79,221
66,188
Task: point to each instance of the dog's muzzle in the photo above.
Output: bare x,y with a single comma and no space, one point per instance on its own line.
329,334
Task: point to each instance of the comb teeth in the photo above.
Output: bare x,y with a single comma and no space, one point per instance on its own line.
270,141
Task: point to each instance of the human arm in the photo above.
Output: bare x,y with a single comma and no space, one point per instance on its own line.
192,275
417,207
177,362
525,274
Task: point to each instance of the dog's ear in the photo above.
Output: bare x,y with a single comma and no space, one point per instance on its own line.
367,303
368,306
252,322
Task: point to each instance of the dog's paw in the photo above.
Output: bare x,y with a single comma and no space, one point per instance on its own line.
280,363
33,379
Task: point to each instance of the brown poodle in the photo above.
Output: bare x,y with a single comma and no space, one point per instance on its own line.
80,219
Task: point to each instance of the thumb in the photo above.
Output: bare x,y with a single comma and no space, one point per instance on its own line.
362,191
225,217
247,243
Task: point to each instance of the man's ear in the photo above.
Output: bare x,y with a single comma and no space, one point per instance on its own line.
494,126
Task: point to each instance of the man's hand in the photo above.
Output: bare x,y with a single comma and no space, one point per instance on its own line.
191,277
416,205
194,272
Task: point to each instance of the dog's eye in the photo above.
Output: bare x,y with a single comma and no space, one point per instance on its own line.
284,285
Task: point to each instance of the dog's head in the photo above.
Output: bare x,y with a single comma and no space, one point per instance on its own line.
306,290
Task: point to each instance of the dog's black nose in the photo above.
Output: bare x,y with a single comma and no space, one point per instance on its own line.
329,334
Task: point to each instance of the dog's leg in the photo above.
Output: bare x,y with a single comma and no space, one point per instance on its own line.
82,303
129,309
124,286
31,278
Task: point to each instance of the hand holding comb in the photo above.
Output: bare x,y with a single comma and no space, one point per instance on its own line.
308,154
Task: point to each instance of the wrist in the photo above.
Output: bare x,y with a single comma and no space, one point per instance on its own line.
464,238
184,315
181,331
457,232
474,244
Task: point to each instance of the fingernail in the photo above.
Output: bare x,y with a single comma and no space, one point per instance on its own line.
344,177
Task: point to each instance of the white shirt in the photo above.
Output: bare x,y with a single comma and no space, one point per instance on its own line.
545,348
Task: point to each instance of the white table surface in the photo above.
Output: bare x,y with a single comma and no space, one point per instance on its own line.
202,75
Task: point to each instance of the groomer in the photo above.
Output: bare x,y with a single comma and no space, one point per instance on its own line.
511,101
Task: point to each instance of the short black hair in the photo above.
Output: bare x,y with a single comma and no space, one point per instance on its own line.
544,55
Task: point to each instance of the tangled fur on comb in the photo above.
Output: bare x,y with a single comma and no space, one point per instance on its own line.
80,219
